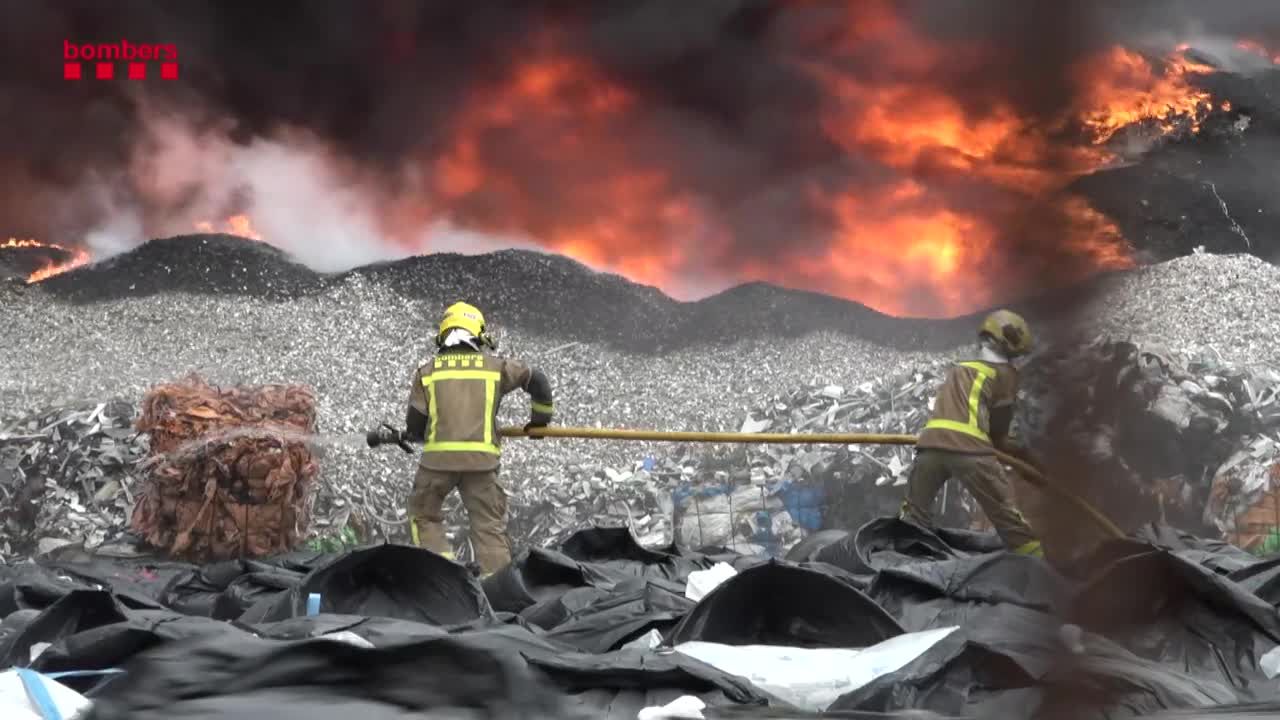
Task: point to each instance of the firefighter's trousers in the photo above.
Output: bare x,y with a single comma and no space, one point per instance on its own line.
486,503
984,478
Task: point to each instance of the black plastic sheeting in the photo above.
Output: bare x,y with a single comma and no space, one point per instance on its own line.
1163,623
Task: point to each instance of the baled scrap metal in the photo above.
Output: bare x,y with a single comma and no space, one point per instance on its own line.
174,413
231,470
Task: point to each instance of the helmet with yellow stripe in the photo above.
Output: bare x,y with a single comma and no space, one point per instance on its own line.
461,316
1008,331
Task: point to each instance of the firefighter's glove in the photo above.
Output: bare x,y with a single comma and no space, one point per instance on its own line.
537,421
386,434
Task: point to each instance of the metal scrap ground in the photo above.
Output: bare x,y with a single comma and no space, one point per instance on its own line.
356,341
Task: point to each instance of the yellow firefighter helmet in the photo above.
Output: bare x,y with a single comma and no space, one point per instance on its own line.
460,315
1009,331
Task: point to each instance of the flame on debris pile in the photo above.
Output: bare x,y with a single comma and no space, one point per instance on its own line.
1126,88
239,225
51,267
916,243
896,154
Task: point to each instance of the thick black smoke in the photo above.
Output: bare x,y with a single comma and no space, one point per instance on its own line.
726,105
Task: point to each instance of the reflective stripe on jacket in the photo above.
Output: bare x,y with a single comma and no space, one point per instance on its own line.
445,387
460,393
961,418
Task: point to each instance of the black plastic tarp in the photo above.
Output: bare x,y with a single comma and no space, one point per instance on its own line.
395,581
137,584
496,672
535,576
925,595
782,604
226,590
614,554
328,680
1167,608
1010,661
1170,622
631,610
93,630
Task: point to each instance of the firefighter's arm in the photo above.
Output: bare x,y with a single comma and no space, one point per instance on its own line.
516,374
539,389
417,415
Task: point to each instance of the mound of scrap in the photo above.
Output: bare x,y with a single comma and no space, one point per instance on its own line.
1150,436
886,619
1183,439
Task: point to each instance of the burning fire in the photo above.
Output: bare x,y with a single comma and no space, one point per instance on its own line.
51,267
919,184
926,240
1125,88
235,225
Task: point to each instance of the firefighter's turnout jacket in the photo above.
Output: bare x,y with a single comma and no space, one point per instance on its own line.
970,419
456,397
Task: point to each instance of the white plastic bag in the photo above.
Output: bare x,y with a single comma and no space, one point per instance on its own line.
813,678
701,582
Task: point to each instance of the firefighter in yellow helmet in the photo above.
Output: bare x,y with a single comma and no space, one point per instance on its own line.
453,405
970,420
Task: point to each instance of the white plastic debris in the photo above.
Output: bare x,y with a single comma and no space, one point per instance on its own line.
1270,663
813,678
16,699
647,641
37,648
685,707
702,582
348,637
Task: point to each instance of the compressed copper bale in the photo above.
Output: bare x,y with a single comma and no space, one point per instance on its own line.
217,492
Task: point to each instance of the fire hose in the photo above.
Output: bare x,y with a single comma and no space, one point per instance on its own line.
1028,471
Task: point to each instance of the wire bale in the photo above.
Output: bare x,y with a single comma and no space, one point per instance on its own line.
230,471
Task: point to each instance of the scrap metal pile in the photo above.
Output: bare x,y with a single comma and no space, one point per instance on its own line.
230,472
1158,436
1193,441
67,473
1188,440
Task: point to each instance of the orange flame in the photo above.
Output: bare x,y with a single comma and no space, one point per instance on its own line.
612,200
51,267
239,225
1124,88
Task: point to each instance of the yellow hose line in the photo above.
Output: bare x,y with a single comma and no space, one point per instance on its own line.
1029,472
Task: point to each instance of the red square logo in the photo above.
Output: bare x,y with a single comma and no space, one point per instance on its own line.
106,71
169,71
71,71
137,71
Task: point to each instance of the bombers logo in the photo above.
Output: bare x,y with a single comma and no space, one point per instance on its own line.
103,57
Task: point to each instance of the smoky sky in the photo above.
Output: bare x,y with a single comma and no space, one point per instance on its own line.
724,104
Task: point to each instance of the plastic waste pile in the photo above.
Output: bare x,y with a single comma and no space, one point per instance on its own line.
890,619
